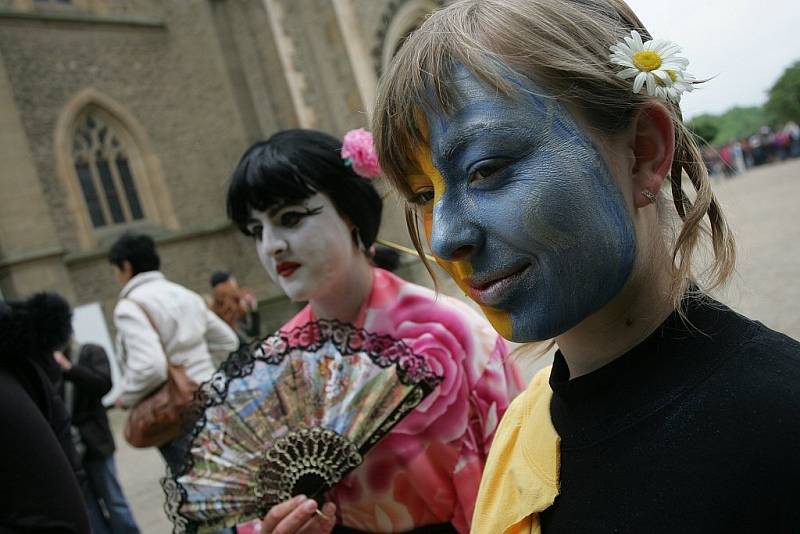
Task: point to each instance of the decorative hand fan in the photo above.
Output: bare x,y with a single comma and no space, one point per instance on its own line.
292,414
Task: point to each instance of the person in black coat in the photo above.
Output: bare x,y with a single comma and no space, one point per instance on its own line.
88,380
40,470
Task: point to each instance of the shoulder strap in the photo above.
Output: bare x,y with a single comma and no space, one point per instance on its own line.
150,320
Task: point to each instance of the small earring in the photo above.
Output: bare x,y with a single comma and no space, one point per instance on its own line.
649,195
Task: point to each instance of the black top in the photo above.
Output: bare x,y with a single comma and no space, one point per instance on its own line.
39,491
441,528
91,376
693,430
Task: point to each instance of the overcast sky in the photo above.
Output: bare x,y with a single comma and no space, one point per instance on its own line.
746,43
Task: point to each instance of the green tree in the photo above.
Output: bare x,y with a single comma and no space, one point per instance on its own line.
705,126
738,122
783,103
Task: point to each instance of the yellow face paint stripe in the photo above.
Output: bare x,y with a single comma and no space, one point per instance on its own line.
458,270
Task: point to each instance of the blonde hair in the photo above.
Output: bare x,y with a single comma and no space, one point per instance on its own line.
563,46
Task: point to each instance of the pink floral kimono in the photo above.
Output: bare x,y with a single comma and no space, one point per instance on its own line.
427,469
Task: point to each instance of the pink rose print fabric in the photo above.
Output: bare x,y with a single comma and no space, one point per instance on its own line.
428,468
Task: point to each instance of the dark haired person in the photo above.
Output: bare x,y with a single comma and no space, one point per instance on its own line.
158,323
313,221
85,381
235,305
39,466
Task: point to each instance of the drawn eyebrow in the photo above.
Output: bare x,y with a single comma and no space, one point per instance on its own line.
280,205
305,211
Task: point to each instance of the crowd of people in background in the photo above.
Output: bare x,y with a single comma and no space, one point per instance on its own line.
54,387
762,147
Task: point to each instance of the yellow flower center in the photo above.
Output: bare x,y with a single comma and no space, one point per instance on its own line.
672,76
646,60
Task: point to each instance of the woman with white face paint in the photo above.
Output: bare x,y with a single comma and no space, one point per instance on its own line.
313,219
541,146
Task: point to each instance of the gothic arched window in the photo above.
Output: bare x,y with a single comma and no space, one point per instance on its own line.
105,175
110,173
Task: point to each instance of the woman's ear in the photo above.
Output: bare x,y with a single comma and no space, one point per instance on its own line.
653,148
358,243
127,269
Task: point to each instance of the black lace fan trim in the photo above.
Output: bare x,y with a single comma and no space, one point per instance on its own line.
384,350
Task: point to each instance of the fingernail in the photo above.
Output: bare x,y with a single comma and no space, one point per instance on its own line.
329,509
310,506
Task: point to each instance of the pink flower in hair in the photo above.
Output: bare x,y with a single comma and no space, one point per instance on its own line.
358,150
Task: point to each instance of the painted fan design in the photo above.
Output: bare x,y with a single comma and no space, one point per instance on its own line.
291,414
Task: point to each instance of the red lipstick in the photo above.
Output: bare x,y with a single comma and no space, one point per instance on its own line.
286,269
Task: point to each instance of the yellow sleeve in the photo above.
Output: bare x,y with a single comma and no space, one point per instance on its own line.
519,479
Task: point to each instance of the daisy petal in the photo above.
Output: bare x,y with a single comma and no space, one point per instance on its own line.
625,49
621,57
637,39
651,85
621,48
662,75
675,62
639,82
670,49
622,62
628,73
630,43
659,45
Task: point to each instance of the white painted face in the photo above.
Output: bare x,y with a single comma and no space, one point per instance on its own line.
306,248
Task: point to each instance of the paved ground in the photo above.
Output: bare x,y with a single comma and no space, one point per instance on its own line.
763,207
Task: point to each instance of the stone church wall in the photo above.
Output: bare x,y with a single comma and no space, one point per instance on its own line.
203,79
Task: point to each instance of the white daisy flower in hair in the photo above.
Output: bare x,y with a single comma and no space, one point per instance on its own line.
654,65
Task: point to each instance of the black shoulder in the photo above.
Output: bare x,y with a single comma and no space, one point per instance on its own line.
763,378
754,344
773,348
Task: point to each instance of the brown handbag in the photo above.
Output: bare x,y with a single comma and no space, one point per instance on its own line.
157,419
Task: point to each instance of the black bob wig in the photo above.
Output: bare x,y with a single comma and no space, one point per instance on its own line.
292,166
34,328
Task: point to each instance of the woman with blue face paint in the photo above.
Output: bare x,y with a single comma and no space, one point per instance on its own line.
540,145
313,219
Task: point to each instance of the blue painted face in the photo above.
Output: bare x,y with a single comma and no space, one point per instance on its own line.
523,210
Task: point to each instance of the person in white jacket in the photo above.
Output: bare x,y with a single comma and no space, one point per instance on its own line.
160,322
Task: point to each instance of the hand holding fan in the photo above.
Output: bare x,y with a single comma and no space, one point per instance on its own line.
293,414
